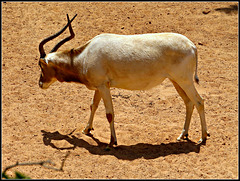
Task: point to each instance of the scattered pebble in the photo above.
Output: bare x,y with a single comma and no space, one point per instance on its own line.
206,11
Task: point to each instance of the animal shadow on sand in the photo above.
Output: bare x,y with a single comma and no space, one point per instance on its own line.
124,152
229,10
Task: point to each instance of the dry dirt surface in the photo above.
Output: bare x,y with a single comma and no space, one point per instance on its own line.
36,123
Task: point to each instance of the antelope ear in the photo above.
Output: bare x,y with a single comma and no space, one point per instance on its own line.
44,61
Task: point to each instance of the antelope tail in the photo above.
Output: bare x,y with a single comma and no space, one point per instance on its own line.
196,77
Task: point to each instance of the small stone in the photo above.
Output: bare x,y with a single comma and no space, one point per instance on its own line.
206,11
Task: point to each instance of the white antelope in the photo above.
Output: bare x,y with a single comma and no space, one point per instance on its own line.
133,62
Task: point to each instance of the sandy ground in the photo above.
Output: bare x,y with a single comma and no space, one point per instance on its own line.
36,122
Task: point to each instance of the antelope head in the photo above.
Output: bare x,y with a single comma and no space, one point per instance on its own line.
48,72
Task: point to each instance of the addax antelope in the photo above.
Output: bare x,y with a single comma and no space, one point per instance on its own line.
133,62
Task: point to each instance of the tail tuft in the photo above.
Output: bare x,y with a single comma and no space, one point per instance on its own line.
196,79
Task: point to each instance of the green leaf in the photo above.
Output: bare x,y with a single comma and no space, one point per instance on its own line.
21,175
5,176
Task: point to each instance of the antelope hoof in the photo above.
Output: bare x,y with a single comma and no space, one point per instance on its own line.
202,141
182,137
110,146
204,138
87,131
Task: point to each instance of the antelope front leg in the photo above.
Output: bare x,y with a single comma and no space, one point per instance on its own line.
93,108
107,99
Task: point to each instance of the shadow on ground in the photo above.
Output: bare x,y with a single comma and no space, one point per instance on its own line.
229,10
124,152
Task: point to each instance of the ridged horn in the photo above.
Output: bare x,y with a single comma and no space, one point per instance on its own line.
41,49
